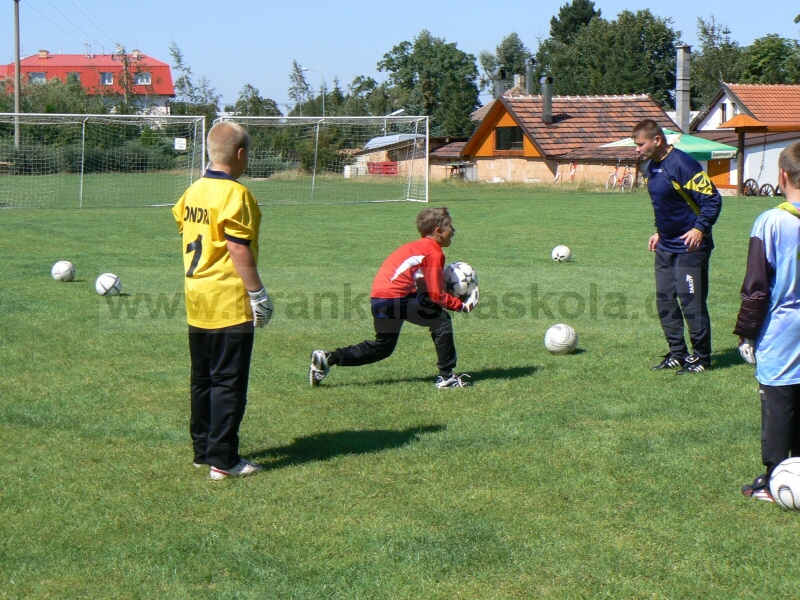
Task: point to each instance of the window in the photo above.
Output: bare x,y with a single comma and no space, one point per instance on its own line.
723,112
141,79
36,77
73,77
107,78
508,138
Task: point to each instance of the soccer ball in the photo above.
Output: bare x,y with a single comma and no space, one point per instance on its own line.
108,284
63,270
460,279
561,339
784,484
561,254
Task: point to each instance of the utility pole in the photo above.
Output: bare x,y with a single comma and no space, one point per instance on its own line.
16,74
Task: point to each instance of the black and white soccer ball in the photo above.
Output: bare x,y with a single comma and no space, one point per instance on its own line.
784,484
561,339
63,270
460,279
108,284
561,254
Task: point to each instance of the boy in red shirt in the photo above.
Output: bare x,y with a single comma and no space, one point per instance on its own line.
409,287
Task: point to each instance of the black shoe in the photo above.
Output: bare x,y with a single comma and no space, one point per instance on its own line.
670,362
758,489
693,364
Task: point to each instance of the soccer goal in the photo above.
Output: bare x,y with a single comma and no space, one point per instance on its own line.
65,161
336,159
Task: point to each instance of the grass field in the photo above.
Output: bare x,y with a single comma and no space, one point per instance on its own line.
579,476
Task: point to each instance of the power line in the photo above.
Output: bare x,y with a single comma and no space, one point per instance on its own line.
53,22
93,23
71,23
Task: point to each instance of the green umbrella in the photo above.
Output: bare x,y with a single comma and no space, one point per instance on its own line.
696,147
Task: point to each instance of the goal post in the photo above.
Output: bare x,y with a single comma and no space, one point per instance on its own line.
82,160
333,160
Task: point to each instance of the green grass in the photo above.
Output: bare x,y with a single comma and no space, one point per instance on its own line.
580,476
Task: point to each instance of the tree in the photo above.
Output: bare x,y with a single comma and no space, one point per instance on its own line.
510,52
192,98
53,96
251,104
635,54
715,62
571,19
771,59
432,77
299,89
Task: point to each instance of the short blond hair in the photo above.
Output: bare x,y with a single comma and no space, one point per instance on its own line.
649,129
431,218
224,142
789,161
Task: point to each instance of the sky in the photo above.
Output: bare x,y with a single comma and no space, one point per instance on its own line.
255,42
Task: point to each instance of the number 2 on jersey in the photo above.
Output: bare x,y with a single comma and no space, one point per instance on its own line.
196,247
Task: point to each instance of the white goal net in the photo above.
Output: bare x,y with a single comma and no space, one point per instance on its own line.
64,161
336,159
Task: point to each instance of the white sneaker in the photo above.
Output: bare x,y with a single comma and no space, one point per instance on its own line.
319,368
243,469
454,381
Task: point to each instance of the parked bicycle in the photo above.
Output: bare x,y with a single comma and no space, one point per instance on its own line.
622,180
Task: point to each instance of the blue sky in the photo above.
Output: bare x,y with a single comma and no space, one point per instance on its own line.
256,42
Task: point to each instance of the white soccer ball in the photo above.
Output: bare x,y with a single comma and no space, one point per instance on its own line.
108,284
460,279
561,254
561,339
63,270
784,484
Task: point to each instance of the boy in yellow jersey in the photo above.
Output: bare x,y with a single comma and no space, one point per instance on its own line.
219,220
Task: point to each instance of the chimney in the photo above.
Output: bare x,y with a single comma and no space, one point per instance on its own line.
519,80
682,93
529,75
547,98
44,54
499,81
137,54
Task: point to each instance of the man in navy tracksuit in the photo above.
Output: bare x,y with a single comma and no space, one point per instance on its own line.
686,205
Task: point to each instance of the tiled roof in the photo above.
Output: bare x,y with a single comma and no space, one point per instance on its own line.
770,104
582,123
451,150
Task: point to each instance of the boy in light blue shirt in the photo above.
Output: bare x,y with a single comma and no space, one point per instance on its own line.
769,322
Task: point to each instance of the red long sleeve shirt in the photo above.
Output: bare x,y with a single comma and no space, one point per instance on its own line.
398,274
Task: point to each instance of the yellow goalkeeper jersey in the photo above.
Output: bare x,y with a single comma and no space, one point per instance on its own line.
215,209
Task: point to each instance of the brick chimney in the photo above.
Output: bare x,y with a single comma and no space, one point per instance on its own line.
137,54
44,54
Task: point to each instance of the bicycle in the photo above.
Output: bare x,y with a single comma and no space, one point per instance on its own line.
624,181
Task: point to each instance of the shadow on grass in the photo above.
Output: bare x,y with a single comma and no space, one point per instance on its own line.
724,359
324,446
499,373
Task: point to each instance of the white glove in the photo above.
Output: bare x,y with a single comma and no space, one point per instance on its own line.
262,307
471,302
748,351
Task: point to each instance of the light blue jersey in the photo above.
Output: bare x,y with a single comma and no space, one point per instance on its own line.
778,342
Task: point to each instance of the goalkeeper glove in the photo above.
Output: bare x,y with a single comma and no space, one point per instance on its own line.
471,302
262,307
748,351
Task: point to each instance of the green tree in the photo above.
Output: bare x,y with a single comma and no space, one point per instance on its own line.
571,19
251,104
192,98
634,54
716,61
510,52
299,89
53,96
771,59
432,77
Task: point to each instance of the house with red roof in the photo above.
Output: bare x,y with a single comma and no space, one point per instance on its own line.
111,75
761,120
535,138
